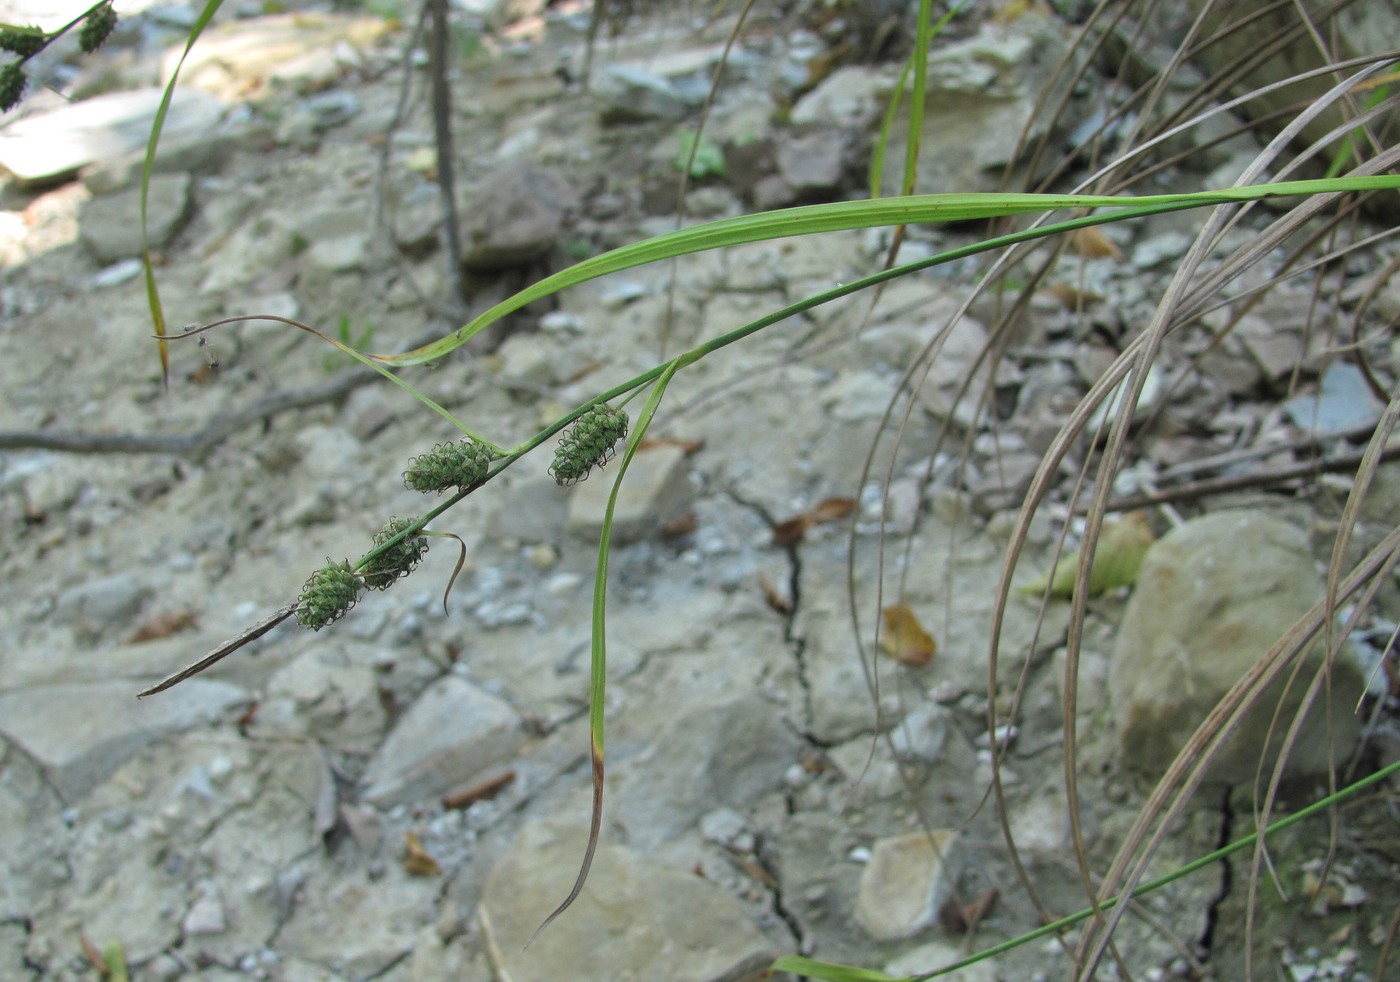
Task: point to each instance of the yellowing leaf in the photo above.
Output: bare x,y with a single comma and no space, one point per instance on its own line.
1117,560
1091,243
904,638
416,861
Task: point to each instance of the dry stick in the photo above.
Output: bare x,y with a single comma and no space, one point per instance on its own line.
216,431
442,135
1221,485
222,651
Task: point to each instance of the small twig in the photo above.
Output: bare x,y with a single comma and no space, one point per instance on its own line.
224,424
1238,482
1307,441
222,651
442,134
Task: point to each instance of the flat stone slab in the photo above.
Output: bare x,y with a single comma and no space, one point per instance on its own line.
450,735
81,732
636,920
51,145
110,224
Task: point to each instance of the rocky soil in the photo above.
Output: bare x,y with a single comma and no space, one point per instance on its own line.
405,794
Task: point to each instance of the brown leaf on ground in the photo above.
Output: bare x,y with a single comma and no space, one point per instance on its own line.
1071,297
777,601
416,861
790,531
686,446
1092,243
481,791
904,638
164,625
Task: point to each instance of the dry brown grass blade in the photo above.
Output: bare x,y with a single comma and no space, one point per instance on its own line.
595,831
222,651
1333,640
1172,793
1146,152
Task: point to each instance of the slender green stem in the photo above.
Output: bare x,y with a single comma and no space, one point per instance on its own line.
815,968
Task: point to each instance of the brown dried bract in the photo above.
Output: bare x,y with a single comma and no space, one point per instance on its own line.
790,531
904,638
481,791
416,861
164,625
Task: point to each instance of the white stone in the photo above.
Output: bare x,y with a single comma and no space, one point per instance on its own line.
449,736
656,921
80,732
905,883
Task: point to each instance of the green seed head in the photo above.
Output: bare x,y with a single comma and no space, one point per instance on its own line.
459,465
591,441
327,595
384,570
97,28
12,83
23,41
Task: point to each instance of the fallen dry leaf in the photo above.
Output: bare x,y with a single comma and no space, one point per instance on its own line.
832,509
686,446
163,625
790,531
959,919
777,601
483,791
1091,243
1117,561
680,525
904,638
1072,298
416,861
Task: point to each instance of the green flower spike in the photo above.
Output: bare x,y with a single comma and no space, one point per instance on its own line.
460,465
23,41
384,570
590,442
327,595
97,28
12,83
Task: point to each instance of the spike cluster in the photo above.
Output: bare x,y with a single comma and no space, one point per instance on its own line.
459,465
97,28
399,560
327,595
12,83
23,41
591,441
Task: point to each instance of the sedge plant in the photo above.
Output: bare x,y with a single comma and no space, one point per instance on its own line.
603,427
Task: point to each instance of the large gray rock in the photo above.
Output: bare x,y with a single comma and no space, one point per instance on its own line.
102,606
637,921
655,491
852,96
727,754
983,93
306,51
628,95
1213,596
1246,28
516,216
110,225
814,163
451,735
357,926
52,145
82,731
